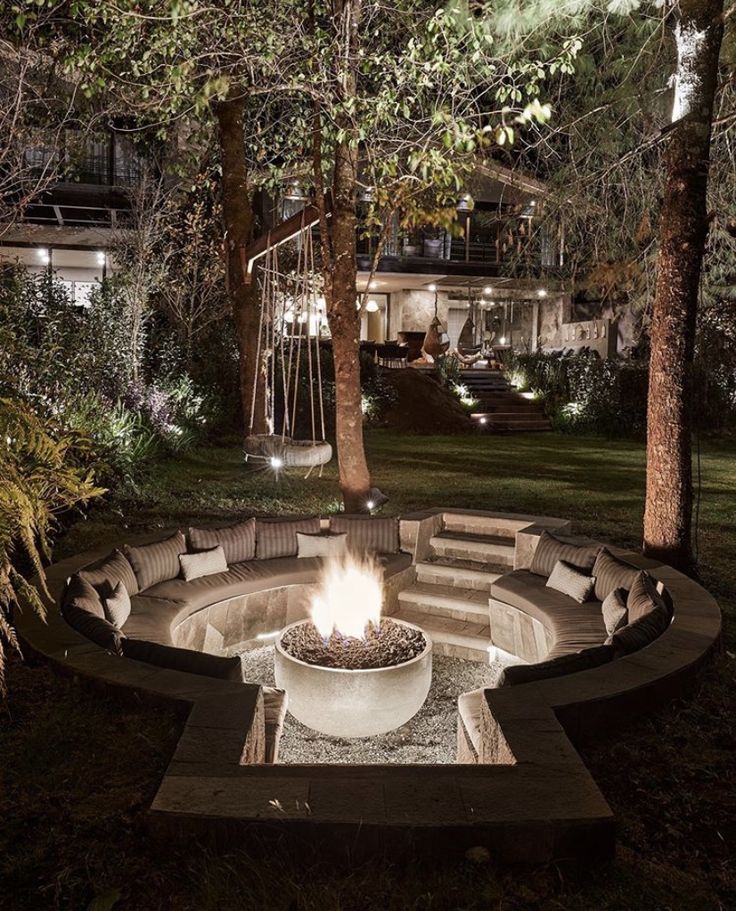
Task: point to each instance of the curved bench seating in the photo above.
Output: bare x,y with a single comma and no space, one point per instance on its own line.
528,798
176,612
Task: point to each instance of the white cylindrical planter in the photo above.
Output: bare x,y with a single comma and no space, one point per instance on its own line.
354,703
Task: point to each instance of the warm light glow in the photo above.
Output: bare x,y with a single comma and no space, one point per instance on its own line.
43,255
372,307
372,286
349,597
101,257
276,463
482,420
502,340
432,287
542,292
488,290
370,504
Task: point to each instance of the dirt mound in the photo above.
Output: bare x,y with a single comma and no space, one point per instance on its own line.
422,405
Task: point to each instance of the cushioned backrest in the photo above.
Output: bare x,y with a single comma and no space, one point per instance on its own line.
378,536
106,574
183,659
277,537
556,667
641,632
611,573
550,550
156,562
96,629
644,598
237,541
85,595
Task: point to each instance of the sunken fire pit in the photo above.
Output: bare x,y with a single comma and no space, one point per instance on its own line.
349,672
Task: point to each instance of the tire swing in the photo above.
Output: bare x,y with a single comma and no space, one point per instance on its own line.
283,315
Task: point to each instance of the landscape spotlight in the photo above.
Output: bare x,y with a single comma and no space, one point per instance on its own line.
375,498
276,462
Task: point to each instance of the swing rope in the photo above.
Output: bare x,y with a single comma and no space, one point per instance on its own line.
281,295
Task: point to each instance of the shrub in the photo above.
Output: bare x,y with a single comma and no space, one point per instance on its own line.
584,393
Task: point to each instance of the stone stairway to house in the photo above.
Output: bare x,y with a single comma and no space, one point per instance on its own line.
449,599
500,407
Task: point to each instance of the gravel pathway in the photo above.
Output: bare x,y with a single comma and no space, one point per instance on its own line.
430,736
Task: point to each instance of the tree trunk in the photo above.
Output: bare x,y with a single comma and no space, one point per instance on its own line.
238,217
339,269
683,230
344,323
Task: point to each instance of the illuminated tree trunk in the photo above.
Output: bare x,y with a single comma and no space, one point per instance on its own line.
683,230
238,220
340,269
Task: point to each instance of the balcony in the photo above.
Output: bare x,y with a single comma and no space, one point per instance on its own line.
487,242
92,177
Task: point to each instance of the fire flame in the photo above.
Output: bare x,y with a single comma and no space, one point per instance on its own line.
349,597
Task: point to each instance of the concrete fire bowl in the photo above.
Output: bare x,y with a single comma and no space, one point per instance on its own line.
343,702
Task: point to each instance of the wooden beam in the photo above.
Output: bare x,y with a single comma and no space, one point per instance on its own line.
281,234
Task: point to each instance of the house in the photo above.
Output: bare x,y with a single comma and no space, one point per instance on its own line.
500,267
70,226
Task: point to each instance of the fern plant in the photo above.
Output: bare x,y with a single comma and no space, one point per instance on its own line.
42,474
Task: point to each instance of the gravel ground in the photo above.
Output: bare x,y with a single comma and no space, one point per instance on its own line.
430,736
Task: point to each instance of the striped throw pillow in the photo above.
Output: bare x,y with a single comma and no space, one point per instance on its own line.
156,562
105,574
615,614
551,550
568,580
117,605
367,535
277,537
238,541
611,573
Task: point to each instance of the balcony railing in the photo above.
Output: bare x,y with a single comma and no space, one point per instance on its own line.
106,160
484,239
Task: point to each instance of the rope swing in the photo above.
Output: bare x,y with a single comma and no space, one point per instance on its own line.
288,333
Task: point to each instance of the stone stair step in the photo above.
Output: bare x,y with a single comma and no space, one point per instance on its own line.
494,549
513,416
469,523
470,605
461,574
454,638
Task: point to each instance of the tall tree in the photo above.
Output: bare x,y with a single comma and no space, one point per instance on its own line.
237,212
698,34
184,70
338,242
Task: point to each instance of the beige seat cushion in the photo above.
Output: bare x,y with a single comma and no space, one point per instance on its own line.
573,626
153,619
470,706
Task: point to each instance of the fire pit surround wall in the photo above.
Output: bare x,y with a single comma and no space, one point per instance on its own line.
350,702
531,798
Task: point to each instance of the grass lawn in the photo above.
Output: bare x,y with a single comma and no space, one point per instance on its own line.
79,772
